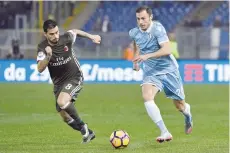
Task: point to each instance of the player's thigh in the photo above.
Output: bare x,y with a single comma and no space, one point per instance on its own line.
150,87
69,91
173,86
57,91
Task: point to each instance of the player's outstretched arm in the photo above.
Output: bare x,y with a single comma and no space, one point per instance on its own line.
42,64
95,38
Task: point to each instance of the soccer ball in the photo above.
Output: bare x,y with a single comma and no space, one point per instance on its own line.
119,139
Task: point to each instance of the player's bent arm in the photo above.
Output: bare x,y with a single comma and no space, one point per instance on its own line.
163,51
82,33
43,64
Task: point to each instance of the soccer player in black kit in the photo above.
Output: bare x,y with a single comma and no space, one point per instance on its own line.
56,52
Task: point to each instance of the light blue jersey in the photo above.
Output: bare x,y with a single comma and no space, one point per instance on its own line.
148,42
161,72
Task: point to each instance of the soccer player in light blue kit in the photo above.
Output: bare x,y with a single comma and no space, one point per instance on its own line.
152,49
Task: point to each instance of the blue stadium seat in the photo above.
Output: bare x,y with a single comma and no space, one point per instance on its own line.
221,11
122,14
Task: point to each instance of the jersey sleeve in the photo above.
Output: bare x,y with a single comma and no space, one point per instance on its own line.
131,34
40,54
160,33
72,36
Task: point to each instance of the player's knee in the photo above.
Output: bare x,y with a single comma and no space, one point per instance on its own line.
147,96
62,102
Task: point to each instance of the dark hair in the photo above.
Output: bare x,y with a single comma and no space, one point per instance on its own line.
49,24
144,8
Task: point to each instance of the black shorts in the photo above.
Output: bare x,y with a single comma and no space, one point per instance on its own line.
72,87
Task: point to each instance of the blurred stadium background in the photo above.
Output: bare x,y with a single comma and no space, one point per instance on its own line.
200,28
199,33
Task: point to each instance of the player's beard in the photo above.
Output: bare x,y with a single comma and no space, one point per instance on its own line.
144,28
53,42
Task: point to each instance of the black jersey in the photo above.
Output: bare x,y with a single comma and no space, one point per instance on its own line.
63,64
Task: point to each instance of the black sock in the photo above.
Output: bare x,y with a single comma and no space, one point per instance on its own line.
71,110
78,127
74,125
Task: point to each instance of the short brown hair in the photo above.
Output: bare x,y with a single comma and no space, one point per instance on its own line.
144,8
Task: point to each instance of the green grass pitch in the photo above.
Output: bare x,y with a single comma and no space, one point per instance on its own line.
29,123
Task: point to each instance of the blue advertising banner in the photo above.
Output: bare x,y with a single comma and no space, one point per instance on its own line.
118,71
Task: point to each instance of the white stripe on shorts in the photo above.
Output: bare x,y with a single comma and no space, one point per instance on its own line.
78,87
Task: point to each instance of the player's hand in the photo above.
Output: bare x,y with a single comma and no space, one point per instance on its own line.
136,66
140,58
96,39
48,51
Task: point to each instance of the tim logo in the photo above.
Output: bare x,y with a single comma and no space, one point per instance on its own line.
66,48
193,72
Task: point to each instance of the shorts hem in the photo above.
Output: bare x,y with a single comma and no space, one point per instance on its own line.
151,84
175,98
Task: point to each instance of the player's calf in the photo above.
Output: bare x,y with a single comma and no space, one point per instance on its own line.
184,108
188,119
148,92
180,105
70,121
87,133
75,122
64,101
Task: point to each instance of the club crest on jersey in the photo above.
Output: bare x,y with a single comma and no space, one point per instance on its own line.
66,49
